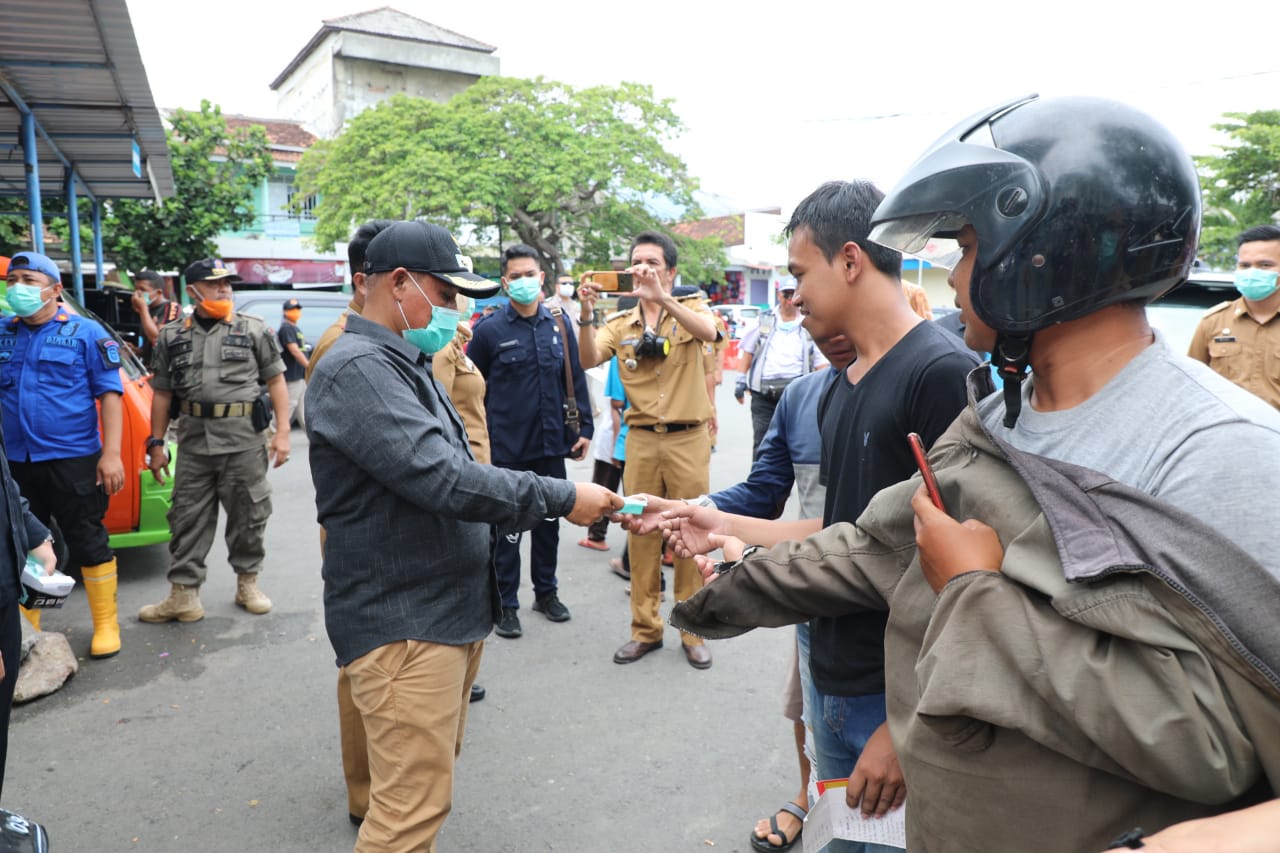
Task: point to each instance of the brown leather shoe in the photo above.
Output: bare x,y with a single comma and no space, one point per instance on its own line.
698,656
632,651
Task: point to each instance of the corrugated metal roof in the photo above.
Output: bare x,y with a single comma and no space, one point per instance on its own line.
387,22
75,64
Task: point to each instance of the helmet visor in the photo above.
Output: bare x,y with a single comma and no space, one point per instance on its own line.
927,236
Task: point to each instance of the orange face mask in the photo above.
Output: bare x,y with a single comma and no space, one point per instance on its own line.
218,309
293,314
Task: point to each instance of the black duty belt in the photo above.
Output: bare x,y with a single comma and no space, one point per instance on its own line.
215,410
667,427
771,389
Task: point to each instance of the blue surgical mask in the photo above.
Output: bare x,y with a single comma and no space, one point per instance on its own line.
438,333
25,299
786,325
525,289
1253,284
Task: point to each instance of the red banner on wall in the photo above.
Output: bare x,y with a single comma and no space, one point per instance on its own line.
287,272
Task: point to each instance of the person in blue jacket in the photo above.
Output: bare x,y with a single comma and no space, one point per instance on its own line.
789,455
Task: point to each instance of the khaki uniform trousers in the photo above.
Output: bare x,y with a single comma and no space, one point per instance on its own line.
297,388
411,698
200,482
670,465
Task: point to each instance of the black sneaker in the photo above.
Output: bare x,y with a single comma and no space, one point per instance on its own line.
552,607
509,624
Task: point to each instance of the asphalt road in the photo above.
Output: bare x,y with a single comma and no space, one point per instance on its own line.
221,735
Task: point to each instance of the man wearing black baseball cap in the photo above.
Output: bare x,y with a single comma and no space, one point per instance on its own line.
410,592
293,349
214,362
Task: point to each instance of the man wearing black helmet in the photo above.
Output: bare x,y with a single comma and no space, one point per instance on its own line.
1083,653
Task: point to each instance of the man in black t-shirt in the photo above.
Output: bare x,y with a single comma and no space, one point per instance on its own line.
153,310
293,351
908,376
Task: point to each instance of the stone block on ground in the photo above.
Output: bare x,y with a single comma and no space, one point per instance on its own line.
47,668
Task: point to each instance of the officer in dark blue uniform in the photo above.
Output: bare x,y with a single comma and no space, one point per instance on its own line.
536,416
53,366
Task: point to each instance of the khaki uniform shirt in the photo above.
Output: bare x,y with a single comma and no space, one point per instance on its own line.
671,390
1235,345
464,384
327,338
452,369
225,364
917,299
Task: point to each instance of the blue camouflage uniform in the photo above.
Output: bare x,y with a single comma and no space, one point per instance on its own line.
50,377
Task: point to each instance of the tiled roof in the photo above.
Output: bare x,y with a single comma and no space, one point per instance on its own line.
728,228
280,132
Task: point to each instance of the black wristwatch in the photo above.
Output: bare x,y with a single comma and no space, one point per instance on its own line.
152,441
725,565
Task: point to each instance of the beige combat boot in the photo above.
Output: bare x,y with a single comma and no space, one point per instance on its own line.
182,604
249,596
100,589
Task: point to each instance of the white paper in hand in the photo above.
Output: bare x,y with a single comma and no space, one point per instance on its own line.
831,818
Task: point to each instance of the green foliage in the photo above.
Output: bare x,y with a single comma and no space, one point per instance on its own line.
216,172
15,231
564,170
701,261
1241,185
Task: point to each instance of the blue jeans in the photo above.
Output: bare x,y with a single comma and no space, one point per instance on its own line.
841,728
808,693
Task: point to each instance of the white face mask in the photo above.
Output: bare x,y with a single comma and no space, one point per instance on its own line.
566,290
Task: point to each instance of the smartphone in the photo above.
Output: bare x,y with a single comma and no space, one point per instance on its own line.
926,472
614,282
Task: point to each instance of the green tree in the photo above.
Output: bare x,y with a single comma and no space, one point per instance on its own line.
567,171
216,172
1242,184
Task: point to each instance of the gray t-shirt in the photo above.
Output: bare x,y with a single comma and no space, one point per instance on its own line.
1170,426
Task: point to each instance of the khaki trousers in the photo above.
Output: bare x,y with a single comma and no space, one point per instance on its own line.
296,389
412,697
669,465
239,482
355,748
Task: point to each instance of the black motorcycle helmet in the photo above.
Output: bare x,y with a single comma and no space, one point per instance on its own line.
1078,203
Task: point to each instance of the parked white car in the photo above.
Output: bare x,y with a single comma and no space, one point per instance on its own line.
738,318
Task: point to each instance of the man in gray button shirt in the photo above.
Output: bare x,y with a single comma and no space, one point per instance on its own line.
410,592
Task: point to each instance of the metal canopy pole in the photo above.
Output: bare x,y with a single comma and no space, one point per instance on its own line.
73,222
30,155
97,239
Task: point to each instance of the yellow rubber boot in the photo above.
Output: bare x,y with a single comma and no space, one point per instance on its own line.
100,587
33,616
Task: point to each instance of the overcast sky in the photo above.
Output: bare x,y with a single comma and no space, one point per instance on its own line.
779,97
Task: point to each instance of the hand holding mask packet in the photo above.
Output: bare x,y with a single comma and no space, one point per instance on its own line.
634,505
41,590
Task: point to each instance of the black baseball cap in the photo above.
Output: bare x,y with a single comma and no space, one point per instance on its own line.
423,247
209,269
291,304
